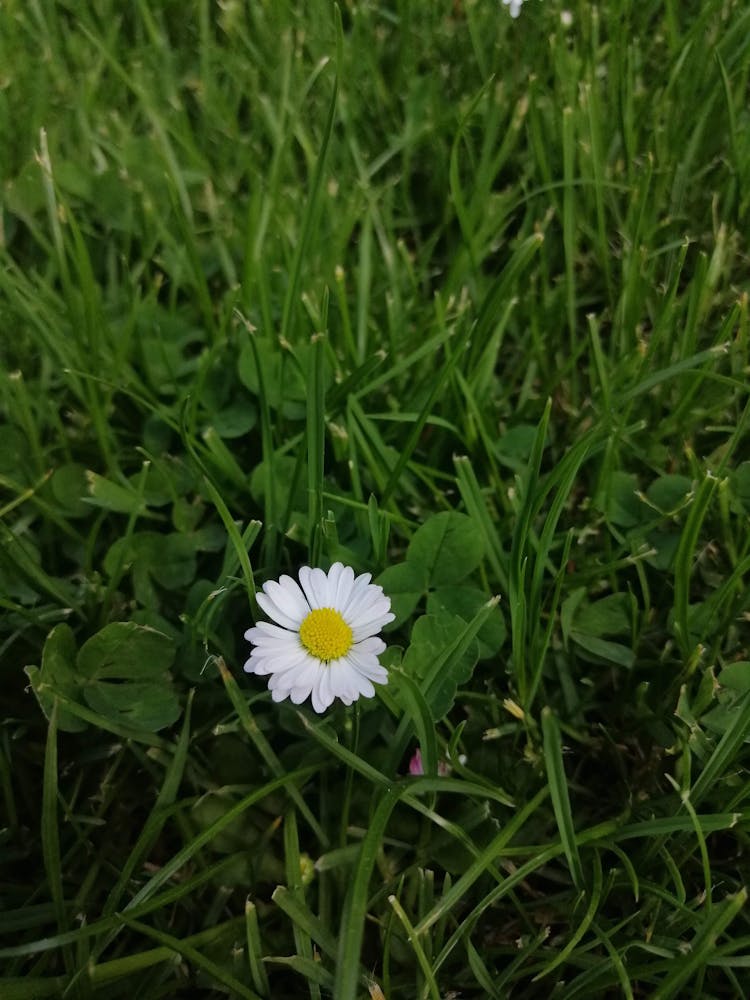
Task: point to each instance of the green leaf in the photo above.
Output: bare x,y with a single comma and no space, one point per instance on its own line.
168,559
404,583
736,677
665,544
515,446
69,488
430,637
235,419
466,602
739,484
669,493
619,501
289,492
568,611
609,616
125,651
734,685
111,496
448,546
149,706
603,649
58,669
124,667
166,478
282,381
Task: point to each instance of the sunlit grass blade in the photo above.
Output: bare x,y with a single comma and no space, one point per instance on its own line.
255,950
520,549
354,914
702,946
594,900
558,788
191,849
192,955
311,971
494,850
298,911
684,561
316,432
413,939
50,829
725,753
293,863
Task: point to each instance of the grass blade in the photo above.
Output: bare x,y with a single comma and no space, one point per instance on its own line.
558,788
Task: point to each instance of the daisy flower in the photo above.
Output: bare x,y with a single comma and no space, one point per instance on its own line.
324,641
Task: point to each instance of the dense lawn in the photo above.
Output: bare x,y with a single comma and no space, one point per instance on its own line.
456,299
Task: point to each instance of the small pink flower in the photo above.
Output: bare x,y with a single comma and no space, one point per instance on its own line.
416,767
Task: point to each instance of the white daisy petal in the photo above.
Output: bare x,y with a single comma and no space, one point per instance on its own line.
367,631
290,660
357,593
367,666
341,586
269,607
367,612
373,645
264,629
324,689
315,585
334,575
350,681
284,602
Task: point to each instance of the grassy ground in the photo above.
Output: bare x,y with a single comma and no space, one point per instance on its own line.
457,299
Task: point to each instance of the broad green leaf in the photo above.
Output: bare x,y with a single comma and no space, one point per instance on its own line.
283,383
124,676
141,705
669,493
665,543
449,546
603,649
609,616
739,484
736,677
186,515
111,496
619,501
466,602
514,447
734,684
430,637
568,611
126,651
58,669
166,340
404,583
235,419
69,487
166,478
173,560
290,493
167,558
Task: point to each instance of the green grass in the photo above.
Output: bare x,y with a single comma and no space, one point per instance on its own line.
458,300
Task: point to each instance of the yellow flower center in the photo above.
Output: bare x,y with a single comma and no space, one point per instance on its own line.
325,634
